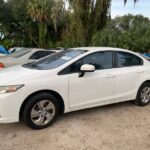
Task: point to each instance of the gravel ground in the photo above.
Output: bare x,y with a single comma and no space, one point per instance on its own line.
122,126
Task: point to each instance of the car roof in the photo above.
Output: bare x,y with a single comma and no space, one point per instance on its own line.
40,49
100,49
35,49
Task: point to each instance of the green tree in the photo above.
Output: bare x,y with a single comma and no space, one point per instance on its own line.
48,14
46,23
57,13
129,32
16,24
87,16
40,10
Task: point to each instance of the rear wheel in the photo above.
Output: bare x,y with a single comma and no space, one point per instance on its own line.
40,111
143,96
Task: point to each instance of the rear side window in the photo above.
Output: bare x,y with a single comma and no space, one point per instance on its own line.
40,54
125,59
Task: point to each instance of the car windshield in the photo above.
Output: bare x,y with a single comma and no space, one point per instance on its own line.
55,60
19,53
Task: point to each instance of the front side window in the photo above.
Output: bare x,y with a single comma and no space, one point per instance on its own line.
101,60
125,59
40,54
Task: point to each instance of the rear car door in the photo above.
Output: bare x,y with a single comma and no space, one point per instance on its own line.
128,72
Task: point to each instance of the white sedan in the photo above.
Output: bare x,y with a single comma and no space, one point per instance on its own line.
71,80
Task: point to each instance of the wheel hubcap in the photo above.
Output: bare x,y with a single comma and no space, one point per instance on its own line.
145,95
42,112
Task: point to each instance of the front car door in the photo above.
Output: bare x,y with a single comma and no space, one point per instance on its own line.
94,88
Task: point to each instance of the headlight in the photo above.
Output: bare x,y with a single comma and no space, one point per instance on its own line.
9,88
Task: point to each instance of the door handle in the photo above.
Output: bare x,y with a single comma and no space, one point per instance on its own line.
110,76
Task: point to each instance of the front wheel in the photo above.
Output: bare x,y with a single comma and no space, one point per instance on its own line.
40,111
143,96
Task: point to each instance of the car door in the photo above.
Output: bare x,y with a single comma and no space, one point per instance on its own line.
94,88
128,72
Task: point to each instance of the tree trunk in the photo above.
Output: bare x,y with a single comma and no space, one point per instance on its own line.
42,34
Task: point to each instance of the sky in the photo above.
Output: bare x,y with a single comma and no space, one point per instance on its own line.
119,9
141,7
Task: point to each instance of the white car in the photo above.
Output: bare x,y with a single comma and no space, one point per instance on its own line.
71,80
24,56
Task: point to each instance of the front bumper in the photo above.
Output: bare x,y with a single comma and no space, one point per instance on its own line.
8,120
10,105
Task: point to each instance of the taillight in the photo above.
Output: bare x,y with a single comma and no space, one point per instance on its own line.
2,65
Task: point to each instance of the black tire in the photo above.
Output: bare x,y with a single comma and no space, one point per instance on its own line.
139,100
26,113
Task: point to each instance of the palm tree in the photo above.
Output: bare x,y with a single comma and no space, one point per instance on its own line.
40,10
125,1
45,12
88,16
57,13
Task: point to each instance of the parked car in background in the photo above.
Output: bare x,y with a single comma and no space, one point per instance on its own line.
71,80
58,48
3,51
147,54
16,49
24,56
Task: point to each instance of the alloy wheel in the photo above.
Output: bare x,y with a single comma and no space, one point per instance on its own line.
43,112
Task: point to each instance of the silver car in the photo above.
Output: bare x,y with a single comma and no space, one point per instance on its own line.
16,49
24,56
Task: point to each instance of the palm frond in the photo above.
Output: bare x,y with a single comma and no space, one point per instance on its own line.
125,1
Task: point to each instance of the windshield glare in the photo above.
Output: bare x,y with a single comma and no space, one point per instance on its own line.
55,60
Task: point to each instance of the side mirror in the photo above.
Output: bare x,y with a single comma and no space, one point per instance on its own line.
86,68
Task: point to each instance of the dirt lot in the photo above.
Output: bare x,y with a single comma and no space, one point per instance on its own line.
115,127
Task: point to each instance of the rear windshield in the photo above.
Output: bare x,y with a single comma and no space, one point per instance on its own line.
55,60
20,53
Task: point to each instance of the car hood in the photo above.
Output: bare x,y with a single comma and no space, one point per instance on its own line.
14,73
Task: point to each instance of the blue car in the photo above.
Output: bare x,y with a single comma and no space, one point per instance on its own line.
147,55
4,51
